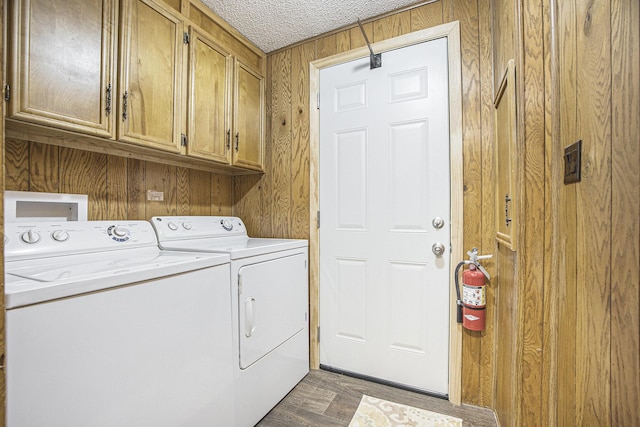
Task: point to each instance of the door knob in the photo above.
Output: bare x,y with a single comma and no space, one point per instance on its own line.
438,249
437,223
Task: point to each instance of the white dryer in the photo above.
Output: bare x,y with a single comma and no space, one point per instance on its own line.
105,329
269,291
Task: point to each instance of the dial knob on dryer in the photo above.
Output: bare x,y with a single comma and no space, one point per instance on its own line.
60,235
226,224
30,237
186,225
172,226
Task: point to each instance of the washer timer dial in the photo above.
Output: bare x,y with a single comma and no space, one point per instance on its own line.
118,233
226,224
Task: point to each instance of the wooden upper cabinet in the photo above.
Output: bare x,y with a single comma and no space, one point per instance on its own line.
248,118
150,79
62,64
210,77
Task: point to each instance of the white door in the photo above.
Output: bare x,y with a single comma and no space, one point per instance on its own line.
384,177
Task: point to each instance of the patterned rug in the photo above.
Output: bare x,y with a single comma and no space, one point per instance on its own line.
374,412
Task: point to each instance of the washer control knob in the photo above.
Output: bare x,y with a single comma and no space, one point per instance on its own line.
60,235
226,224
30,237
120,232
186,225
172,226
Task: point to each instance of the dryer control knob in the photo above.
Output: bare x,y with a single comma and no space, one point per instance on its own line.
186,225
172,226
226,224
60,235
30,237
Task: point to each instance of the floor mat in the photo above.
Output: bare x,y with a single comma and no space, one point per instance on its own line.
373,412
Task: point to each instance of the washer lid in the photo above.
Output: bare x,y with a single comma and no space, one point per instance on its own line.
33,281
237,248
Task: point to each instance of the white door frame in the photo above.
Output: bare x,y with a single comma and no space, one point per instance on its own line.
451,31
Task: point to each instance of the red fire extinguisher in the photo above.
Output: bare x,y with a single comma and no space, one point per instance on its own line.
472,306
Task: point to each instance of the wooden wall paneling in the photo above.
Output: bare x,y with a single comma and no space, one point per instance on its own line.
506,398
532,212
566,243
44,168
248,205
301,56
266,183
221,195
16,165
159,177
281,144
199,192
391,26
467,13
552,178
343,41
327,45
504,32
136,193
426,16
625,252
116,188
593,364
487,242
183,191
84,172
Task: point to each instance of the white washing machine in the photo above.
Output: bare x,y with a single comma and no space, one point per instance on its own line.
105,329
269,292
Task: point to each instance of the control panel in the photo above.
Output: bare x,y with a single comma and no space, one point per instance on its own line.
39,239
194,227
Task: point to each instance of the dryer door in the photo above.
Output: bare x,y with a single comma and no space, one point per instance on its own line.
272,299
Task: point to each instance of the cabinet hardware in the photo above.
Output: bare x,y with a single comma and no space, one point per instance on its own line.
125,97
185,38
507,199
183,140
7,92
229,139
108,107
237,140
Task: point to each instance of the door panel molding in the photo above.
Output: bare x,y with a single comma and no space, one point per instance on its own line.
452,32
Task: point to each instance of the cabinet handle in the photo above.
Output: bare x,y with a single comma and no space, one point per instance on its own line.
108,109
229,139
237,140
507,199
125,97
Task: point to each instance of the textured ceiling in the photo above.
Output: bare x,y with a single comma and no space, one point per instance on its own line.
272,24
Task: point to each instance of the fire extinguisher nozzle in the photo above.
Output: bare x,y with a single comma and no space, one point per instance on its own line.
459,311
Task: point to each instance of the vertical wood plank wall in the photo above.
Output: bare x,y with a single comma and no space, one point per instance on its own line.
116,186
277,204
576,280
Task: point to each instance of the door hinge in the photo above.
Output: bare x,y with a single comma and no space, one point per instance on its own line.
183,140
186,39
318,333
7,92
318,219
318,107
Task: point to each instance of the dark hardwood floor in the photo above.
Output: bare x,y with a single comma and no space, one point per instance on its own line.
324,399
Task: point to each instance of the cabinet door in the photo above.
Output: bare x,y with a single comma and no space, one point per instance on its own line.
62,64
209,94
150,76
248,143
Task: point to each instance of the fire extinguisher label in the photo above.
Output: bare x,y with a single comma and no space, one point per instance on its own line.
473,295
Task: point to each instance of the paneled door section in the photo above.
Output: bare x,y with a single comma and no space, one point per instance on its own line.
385,212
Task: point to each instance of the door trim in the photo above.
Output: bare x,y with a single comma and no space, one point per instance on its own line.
452,32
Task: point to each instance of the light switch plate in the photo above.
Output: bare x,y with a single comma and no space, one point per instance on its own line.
572,162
